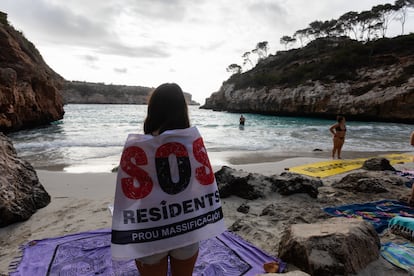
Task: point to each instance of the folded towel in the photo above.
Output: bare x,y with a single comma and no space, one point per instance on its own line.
403,226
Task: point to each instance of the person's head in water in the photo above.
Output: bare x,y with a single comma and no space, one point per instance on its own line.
242,119
167,110
340,118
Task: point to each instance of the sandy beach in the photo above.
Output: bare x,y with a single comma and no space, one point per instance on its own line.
80,203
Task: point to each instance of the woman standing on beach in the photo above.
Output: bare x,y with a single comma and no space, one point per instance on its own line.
160,211
167,110
338,131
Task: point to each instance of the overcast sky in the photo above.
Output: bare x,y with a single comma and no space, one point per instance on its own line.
149,42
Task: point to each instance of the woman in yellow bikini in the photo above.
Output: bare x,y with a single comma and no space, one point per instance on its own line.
338,131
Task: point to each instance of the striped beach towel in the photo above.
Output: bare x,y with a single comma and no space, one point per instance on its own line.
378,213
400,255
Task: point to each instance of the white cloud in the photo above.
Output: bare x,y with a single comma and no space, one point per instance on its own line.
148,42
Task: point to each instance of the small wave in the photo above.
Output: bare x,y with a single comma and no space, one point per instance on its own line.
90,131
66,144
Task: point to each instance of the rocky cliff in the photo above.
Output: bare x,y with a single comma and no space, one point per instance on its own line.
372,81
29,89
21,192
78,92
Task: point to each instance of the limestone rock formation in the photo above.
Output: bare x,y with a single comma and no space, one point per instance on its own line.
29,88
338,246
297,83
21,192
78,92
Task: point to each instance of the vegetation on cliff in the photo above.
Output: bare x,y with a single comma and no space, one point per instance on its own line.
80,92
328,60
364,26
336,49
347,67
88,92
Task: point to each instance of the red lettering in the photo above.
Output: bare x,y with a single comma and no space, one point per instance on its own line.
200,154
131,159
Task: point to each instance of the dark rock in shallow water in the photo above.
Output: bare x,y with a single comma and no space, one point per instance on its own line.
290,183
21,192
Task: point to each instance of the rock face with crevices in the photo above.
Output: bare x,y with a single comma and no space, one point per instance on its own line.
321,80
338,246
29,88
21,192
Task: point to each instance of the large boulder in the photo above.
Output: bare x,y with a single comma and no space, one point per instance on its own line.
242,184
368,182
21,192
378,164
253,185
338,246
29,88
291,183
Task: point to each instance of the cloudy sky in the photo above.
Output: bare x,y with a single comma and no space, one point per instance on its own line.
148,42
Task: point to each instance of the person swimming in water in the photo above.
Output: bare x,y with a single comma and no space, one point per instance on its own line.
242,120
338,131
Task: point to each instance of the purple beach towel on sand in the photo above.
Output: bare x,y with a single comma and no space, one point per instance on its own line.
88,253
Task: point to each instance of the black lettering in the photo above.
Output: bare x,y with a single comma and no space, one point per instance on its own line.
210,198
128,216
165,178
175,210
142,215
217,196
155,214
167,231
187,206
199,203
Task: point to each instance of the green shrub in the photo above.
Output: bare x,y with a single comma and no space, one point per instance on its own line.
327,60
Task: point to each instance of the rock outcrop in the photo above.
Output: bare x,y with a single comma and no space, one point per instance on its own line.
377,164
253,186
21,192
296,83
338,246
29,88
77,92
292,183
369,182
242,184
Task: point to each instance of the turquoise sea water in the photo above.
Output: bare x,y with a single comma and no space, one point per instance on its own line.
93,135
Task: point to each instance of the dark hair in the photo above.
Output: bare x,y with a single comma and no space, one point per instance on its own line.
167,109
340,118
